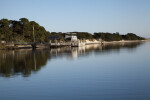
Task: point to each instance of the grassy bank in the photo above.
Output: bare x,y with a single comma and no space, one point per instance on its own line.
4,47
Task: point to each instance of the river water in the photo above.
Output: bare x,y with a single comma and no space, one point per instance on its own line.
94,72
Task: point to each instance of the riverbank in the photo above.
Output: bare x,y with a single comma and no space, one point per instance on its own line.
125,41
4,47
12,46
114,42
47,45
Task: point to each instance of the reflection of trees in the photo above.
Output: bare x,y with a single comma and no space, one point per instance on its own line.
108,48
27,61
22,62
76,52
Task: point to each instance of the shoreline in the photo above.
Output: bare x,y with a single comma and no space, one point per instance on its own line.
115,42
125,41
6,47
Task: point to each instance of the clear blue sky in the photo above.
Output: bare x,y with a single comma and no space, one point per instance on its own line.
82,15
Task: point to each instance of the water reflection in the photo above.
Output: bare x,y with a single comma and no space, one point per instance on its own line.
25,62
22,62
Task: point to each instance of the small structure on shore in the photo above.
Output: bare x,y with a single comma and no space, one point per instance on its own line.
71,37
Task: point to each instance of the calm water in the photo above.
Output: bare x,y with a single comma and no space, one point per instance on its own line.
94,72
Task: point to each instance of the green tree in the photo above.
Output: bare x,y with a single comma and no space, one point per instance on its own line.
5,31
24,22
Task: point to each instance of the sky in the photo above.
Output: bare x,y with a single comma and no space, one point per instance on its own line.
123,16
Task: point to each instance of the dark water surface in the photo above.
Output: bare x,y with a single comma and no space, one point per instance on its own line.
94,72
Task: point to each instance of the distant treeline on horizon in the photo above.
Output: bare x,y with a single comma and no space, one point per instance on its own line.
22,31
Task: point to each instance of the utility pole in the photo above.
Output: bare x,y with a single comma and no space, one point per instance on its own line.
33,35
34,44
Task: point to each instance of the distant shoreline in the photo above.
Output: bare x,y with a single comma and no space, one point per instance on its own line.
126,41
115,42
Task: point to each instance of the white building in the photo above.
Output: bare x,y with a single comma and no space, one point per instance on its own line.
71,36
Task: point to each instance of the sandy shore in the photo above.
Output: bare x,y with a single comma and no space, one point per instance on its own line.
126,41
114,42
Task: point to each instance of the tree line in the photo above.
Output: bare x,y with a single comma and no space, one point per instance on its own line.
22,31
101,35
116,36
